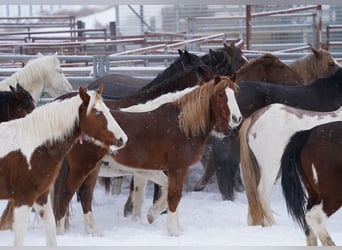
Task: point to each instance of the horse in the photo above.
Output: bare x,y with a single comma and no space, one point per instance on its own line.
225,61
217,158
311,179
30,161
262,144
15,103
112,88
319,63
42,74
208,108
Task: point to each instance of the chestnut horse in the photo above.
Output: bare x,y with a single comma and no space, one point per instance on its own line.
15,103
186,122
222,155
311,170
36,144
254,95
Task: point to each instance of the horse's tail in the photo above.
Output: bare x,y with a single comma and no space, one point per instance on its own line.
59,190
7,217
293,190
251,176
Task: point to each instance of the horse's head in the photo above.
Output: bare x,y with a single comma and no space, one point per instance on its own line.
226,114
97,122
188,60
237,58
55,82
325,63
218,61
21,104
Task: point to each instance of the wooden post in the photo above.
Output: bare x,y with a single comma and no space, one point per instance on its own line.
318,26
112,33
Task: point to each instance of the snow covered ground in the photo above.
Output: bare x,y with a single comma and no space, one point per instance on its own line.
205,218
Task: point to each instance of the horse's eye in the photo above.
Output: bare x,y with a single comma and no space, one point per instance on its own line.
98,113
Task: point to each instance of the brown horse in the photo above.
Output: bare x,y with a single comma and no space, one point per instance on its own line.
311,168
186,122
15,103
267,68
36,144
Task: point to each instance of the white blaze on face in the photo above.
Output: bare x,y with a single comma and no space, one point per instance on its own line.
113,126
235,114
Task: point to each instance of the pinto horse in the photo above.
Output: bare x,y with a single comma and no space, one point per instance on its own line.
262,142
311,164
30,161
130,85
254,95
222,155
39,75
186,122
15,103
312,157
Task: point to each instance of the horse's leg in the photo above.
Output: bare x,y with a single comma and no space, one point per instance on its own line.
158,206
176,177
44,210
128,208
316,219
138,195
6,220
86,196
20,223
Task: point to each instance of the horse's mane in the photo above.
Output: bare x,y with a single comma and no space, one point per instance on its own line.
309,67
32,70
194,118
50,122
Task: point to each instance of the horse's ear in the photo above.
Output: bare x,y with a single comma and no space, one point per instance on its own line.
12,89
229,49
217,79
180,52
84,95
316,52
100,89
39,54
232,44
233,77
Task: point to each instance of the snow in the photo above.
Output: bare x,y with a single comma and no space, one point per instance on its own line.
206,219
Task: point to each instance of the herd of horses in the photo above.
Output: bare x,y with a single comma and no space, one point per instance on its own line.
247,122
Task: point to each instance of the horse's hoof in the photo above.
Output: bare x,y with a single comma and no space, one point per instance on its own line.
150,218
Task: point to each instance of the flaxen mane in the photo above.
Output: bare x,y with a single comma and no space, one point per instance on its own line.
194,118
310,67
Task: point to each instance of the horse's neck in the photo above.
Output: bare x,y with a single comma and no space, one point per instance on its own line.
29,78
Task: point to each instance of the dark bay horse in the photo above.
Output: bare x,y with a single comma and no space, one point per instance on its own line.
222,155
114,87
311,168
186,122
15,103
225,61
252,96
36,144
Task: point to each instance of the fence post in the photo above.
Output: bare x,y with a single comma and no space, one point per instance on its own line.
318,26
80,25
112,33
248,27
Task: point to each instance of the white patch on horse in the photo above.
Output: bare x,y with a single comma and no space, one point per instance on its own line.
314,174
89,223
234,109
157,102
